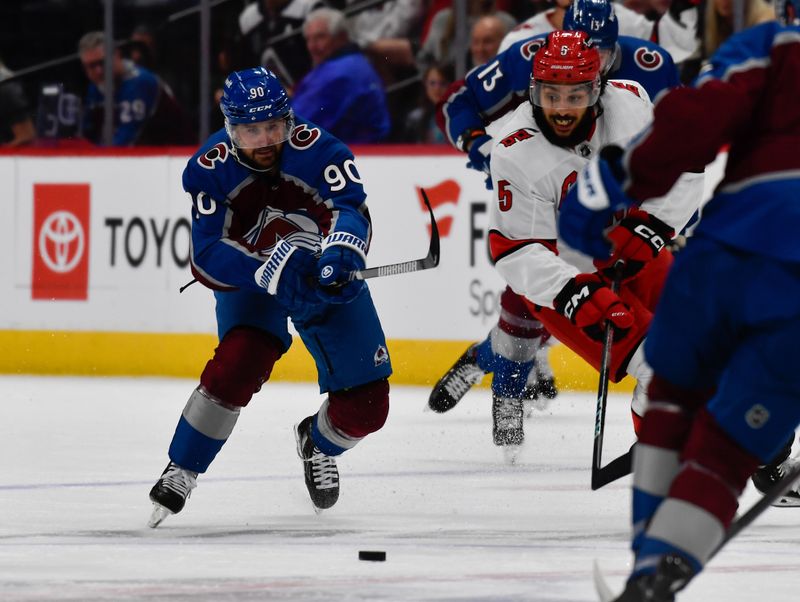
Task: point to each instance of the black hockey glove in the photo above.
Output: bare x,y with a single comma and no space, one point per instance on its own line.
588,303
637,239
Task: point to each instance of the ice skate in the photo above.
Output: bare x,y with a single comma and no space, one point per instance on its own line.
170,493
507,429
459,379
767,476
321,474
672,575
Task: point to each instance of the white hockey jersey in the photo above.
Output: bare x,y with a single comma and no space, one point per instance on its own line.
531,177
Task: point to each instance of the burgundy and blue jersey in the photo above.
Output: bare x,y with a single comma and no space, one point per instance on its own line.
492,90
239,214
751,87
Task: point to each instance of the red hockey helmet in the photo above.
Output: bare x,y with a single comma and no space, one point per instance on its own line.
566,71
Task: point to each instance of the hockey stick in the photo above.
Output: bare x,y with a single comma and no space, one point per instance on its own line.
431,260
603,475
773,493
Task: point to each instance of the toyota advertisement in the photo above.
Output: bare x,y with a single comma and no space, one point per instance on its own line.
101,243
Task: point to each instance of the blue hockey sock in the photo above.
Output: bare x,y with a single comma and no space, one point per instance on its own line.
484,356
509,377
191,449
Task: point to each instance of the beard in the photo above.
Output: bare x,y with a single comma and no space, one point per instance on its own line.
578,135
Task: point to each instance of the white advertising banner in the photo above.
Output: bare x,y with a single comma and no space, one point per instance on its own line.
128,219
100,243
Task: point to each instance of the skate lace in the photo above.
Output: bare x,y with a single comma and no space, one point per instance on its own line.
323,468
179,480
462,379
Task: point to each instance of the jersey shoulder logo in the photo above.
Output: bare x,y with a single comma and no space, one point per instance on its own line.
529,48
648,59
518,136
218,152
304,137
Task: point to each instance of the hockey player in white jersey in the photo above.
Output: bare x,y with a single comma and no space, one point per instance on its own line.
572,113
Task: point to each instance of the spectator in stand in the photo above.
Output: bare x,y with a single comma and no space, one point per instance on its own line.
391,20
716,26
264,20
342,93
16,125
485,38
674,31
142,49
438,46
420,126
719,20
145,110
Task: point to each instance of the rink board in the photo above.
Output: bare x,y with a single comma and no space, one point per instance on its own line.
96,248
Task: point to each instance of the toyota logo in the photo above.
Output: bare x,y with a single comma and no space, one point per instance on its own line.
61,241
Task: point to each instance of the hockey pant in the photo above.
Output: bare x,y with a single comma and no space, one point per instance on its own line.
627,357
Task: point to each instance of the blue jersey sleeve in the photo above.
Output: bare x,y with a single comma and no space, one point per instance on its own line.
217,260
490,90
331,169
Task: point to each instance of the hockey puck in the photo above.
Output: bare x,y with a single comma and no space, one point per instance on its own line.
374,556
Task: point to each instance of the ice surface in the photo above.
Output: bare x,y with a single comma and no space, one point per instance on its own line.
80,455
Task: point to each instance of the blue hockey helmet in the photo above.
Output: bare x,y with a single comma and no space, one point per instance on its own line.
252,96
598,20
788,11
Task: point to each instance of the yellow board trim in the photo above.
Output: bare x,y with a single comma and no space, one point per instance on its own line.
415,362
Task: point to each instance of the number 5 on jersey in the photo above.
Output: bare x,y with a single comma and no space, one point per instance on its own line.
504,196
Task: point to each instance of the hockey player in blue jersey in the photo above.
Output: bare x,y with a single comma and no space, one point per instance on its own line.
279,223
725,395
513,348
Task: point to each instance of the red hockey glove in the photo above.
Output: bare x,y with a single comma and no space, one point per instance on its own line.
588,303
636,239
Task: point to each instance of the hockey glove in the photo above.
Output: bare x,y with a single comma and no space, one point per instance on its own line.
588,303
637,239
480,156
589,207
290,275
342,254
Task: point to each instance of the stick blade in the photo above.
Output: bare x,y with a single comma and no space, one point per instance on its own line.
432,260
604,592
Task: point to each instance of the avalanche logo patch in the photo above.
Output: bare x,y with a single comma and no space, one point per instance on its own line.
381,356
757,416
648,59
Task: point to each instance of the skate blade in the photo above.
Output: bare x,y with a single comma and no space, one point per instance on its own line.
158,515
600,585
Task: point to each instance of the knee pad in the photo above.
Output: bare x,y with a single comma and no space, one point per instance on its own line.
359,411
242,362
